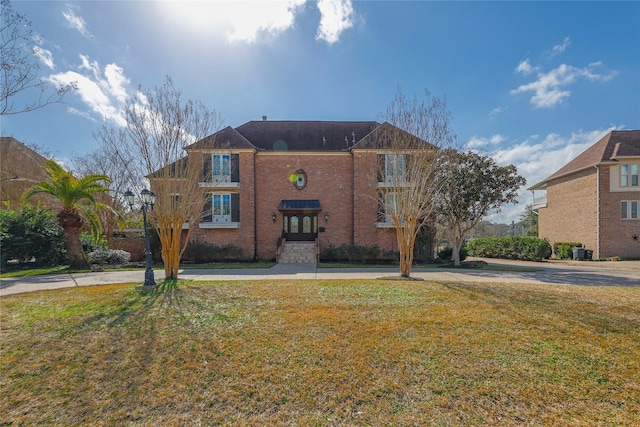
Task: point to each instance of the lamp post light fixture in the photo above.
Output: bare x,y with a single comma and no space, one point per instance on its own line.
148,199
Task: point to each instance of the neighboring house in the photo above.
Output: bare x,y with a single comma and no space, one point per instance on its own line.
594,199
293,181
20,168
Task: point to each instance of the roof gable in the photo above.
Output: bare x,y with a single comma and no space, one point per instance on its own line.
612,146
226,138
382,135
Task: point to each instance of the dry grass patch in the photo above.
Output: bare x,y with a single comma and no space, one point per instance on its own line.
322,353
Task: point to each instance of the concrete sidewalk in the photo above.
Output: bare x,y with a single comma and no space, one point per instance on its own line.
623,273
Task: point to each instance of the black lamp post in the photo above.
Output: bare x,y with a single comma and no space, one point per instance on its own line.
148,199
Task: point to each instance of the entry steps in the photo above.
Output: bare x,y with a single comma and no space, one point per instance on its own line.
298,252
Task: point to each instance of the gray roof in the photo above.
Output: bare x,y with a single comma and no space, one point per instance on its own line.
305,135
292,135
223,139
288,135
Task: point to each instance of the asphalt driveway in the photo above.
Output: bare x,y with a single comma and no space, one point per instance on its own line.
585,273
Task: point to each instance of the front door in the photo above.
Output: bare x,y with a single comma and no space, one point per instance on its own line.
300,226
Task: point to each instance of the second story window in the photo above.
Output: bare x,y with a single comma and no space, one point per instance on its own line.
221,168
221,164
392,168
629,175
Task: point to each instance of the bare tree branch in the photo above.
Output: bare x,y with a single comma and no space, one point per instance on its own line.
409,145
19,66
160,125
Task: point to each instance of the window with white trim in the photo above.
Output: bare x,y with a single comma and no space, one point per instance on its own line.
221,165
221,208
629,209
221,168
394,168
629,175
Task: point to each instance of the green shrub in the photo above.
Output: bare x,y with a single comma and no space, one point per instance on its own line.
562,250
104,256
202,252
521,248
446,254
357,254
31,234
89,244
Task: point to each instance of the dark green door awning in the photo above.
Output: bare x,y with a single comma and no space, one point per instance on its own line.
300,205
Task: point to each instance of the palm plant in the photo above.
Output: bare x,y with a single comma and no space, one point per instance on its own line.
79,206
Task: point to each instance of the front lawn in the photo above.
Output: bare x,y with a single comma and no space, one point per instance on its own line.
361,352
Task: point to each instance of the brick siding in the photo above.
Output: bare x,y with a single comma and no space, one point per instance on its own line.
571,215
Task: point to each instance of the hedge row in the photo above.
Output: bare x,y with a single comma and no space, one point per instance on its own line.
202,252
357,254
522,248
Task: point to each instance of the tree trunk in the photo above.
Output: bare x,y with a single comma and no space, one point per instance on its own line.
457,244
406,241
170,233
72,223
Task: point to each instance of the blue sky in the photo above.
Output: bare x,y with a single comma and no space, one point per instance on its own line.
530,83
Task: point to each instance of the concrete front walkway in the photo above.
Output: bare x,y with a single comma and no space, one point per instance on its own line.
621,273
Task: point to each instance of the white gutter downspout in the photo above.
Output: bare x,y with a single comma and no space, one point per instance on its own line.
597,211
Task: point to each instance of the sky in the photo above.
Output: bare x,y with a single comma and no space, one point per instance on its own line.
529,83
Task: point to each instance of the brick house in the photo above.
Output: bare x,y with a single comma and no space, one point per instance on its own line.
594,198
20,168
293,181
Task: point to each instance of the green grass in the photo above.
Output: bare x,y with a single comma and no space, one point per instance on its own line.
25,272
316,353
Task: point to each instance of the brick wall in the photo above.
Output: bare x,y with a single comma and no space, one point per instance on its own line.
329,180
365,186
570,215
244,236
616,234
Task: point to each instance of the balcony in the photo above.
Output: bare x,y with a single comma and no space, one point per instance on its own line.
539,202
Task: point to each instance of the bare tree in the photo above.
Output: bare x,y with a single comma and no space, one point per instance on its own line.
160,124
19,66
472,186
409,143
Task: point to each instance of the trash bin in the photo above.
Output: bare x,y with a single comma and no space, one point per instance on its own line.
588,255
578,253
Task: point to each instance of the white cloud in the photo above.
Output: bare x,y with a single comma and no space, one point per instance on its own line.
77,23
549,89
525,67
336,16
94,67
116,82
104,93
537,159
44,56
558,49
264,17
476,143
496,111
256,20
